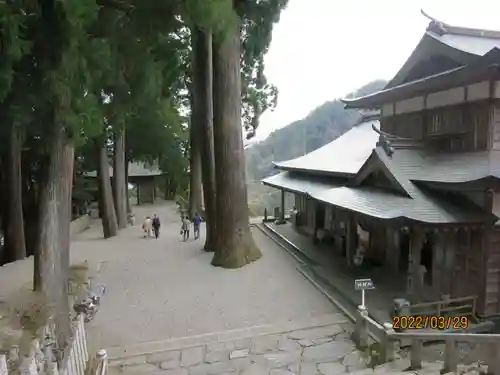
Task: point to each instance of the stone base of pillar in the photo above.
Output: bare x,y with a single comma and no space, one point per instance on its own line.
280,222
360,334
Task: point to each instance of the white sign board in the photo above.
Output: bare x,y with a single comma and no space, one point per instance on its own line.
363,284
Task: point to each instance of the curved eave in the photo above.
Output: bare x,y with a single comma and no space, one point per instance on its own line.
406,219
313,172
430,45
465,183
426,209
290,190
486,68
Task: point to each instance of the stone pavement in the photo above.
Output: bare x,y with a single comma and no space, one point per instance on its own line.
325,350
300,351
163,289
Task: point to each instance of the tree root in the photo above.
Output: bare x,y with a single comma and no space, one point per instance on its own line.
237,257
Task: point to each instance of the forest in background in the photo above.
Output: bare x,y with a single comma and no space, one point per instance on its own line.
324,124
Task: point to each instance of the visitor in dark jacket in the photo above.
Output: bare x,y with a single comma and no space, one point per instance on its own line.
156,226
196,224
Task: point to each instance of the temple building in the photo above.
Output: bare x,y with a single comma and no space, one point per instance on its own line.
414,187
145,178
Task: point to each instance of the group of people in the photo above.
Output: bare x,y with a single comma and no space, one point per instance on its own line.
151,226
186,225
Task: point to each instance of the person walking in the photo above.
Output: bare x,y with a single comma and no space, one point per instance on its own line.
156,226
185,228
196,225
147,227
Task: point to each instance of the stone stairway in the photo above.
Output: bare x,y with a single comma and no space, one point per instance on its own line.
321,347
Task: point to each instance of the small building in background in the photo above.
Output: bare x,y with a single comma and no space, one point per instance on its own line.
143,176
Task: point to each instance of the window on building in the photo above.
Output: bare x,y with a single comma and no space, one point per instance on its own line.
445,121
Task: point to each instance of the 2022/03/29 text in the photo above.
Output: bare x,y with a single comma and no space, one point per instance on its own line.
429,322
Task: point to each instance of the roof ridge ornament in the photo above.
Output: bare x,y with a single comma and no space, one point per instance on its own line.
390,142
435,25
389,135
383,142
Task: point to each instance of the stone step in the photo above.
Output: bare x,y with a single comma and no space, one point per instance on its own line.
147,348
320,350
292,349
304,368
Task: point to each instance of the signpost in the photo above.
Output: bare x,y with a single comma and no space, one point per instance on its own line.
363,284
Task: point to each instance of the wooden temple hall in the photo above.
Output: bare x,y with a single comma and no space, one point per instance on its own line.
414,187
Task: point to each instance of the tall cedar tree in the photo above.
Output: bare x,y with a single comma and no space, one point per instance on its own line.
203,125
235,245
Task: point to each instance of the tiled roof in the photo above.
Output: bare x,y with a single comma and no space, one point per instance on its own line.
483,68
404,166
341,157
297,183
422,165
463,44
473,41
134,170
424,206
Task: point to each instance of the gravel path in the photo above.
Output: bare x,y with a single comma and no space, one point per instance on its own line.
163,289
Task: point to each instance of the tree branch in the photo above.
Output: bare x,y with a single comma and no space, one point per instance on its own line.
116,4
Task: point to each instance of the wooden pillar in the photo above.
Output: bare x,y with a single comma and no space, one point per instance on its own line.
438,253
450,247
281,219
153,187
392,252
282,212
414,279
138,192
351,233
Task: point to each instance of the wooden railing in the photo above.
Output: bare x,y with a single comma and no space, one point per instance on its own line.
390,340
453,306
99,364
76,360
270,214
451,354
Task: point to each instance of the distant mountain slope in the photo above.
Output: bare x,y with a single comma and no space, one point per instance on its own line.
321,126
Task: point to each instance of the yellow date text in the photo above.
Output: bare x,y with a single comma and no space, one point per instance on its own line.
404,322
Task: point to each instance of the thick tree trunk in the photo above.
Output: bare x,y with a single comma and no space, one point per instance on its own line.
53,239
203,123
167,187
127,196
66,189
108,214
119,191
3,206
235,245
15,240
67,168
195,180
30,203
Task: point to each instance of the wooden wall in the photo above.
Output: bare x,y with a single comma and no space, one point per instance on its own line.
307,218
146,191
468,263
495,126
408,125
459,128
492,273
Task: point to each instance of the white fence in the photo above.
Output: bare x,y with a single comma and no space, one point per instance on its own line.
78,352
39,360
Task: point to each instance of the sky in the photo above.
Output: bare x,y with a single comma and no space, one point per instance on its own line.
323,49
